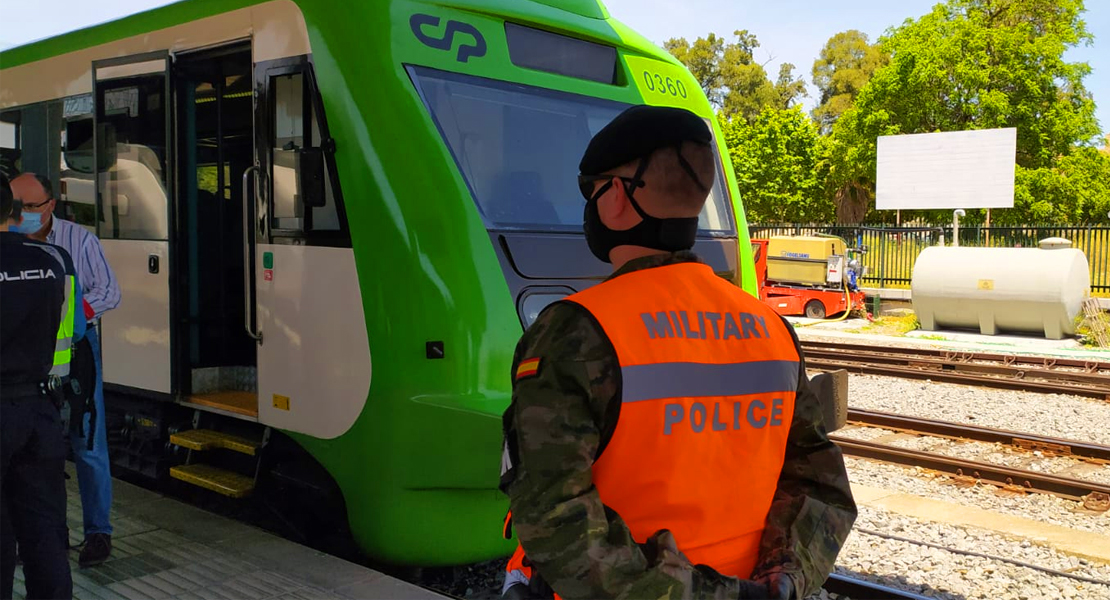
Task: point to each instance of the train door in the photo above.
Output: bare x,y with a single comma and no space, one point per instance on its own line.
216,356
130,134
313,352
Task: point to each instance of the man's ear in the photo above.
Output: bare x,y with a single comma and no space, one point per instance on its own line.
609,204
621,203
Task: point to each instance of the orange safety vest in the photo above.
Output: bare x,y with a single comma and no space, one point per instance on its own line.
708,382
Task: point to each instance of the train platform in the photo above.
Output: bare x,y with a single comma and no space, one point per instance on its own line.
163,549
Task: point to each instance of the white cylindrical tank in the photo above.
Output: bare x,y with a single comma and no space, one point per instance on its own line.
1054,243
1000,289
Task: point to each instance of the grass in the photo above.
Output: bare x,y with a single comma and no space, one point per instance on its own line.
896,325
1084,330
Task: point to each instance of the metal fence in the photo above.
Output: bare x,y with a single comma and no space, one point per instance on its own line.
892,251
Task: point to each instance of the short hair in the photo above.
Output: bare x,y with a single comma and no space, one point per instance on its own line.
7,199
679,194
45,183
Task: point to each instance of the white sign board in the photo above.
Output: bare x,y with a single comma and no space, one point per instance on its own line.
958,169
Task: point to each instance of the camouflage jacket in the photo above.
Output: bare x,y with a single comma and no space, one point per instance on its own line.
558,418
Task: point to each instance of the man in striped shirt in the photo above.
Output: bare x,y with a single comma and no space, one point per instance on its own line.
101,292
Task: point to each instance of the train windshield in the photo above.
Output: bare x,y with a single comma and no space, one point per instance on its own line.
518,148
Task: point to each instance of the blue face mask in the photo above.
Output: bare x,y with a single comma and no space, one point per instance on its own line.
32,222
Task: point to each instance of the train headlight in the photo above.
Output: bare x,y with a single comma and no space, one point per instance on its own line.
532,302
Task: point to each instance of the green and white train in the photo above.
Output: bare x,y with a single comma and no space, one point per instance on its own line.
330,223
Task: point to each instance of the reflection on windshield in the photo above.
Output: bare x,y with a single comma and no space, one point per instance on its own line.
518,148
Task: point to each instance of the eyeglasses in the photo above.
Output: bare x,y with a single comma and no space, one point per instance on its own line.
586,183
36,206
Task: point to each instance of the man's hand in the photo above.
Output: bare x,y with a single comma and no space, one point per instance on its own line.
777,586
661,549
753,590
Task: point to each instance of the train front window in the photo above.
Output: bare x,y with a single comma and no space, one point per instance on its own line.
518,148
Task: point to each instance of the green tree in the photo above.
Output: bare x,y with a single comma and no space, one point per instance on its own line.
974,64
777,158
844,66
1074,191
734,83
849,166
703,59
788,87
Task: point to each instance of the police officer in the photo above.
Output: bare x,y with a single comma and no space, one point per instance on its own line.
662,440
38,323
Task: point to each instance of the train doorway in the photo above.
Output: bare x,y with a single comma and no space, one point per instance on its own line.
216,356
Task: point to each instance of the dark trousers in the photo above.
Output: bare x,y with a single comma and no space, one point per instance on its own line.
33,494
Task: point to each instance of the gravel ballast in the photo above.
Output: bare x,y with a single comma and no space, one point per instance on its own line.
919,482
1055,415
948,574
909,565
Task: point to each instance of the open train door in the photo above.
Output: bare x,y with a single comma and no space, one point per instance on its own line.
131,151
308,314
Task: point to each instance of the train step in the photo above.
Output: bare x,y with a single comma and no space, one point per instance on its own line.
221,481
207,439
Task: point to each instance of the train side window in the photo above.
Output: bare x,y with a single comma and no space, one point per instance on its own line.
131,152
32,140
297,144
9,142
289,110
76,185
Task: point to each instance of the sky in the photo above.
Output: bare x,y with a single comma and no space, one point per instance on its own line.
788,30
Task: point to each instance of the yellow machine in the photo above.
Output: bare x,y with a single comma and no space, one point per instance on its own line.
803,260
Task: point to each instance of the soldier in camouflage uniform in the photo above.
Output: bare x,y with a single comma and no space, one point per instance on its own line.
565,406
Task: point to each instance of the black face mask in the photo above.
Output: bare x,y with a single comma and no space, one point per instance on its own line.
668,235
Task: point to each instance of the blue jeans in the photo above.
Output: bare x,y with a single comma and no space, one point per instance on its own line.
94,475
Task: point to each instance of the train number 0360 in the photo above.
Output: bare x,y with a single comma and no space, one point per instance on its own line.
664,85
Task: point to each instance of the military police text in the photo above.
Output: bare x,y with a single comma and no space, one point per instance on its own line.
678,324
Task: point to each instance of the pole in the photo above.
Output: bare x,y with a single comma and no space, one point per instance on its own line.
882,260
987,232
956,214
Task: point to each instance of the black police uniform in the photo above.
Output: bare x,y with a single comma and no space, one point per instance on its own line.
32,442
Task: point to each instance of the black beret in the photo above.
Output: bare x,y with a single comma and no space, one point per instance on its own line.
639,131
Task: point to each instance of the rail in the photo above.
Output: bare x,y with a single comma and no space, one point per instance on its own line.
860,589
1048,362
972,471
1090,378
1025,441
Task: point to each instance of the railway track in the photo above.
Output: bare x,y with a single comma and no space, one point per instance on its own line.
1025,441
859,589
1095,496
1089,378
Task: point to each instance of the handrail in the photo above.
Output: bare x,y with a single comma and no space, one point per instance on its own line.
248,266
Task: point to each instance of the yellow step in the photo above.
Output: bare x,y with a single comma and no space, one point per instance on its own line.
216,479
207,439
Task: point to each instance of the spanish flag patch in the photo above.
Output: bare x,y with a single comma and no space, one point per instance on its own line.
527,368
